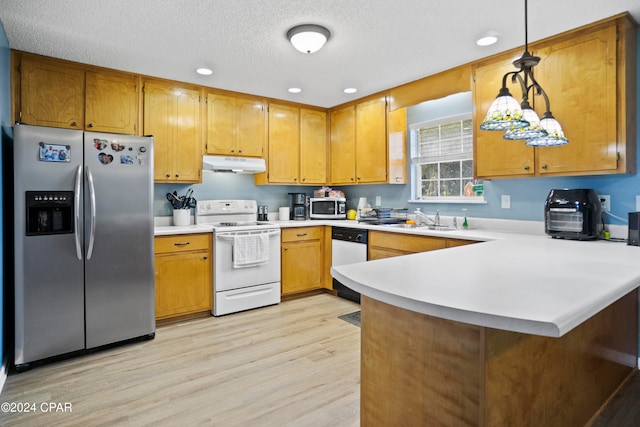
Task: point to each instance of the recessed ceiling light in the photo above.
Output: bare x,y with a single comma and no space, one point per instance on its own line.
487,40
204,71
350,90
294,90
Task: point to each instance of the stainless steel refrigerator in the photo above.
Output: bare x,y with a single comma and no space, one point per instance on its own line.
83,240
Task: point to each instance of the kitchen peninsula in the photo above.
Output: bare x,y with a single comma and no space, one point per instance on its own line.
521,330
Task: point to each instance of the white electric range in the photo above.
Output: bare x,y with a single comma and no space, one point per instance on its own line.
246,255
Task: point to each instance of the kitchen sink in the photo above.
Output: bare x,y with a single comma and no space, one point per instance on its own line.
436,227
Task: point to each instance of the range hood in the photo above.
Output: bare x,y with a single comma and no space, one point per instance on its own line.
233,164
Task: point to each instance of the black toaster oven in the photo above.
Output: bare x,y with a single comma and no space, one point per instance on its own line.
573,214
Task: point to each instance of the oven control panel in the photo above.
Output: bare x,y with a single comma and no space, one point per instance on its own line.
221,207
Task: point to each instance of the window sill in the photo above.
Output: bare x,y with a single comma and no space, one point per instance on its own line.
458,200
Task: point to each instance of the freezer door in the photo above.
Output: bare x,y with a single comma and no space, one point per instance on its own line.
49,275
119,276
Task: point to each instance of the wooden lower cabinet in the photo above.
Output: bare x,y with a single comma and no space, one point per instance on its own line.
386,245
302,258
183,273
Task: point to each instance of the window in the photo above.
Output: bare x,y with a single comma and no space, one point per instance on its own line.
442,157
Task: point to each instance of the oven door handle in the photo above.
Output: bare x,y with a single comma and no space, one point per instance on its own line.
230,236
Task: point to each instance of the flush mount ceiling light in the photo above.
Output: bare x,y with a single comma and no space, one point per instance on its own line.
308,38
294,90
519,120
204,71
350,90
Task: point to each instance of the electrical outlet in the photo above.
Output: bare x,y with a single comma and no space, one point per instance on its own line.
605,202
378,201
637,203
506,201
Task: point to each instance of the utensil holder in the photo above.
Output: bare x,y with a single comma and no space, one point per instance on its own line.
181,217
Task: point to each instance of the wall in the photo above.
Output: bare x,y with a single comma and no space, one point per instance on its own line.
5,124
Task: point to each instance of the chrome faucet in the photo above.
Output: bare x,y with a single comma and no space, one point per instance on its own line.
420,214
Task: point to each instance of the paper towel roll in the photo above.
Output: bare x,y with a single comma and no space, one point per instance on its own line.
283,214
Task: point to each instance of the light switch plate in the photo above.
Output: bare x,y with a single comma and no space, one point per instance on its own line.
506,201
637,203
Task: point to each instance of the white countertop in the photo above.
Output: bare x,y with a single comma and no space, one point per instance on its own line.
527,283
522,283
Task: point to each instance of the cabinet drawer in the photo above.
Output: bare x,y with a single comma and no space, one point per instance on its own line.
182,243
301,233
404,242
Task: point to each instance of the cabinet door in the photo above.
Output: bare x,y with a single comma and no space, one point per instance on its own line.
111,103
398,146
313,147
158,121
221,124
52,94
301,266
579,76
251,127
371,141
495,156
343,146
284,144
183,283
187,149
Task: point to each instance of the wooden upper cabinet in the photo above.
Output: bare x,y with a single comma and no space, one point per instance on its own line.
111,102
343,146
371,141
51,93
313,147
398,146
284,144
236,126
172,115
579,76
359,143
494,155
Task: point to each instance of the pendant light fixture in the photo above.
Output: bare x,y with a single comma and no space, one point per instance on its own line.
308,38
519,120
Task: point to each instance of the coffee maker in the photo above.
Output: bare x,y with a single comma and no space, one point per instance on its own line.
298,206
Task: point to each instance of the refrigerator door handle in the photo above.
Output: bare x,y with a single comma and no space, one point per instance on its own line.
76,206
92,200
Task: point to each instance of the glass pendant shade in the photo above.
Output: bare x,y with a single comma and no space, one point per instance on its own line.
504,113
554,137
532,131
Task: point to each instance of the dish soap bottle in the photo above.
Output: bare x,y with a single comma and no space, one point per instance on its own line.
465,224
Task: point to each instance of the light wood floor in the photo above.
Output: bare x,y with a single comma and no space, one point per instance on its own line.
294,364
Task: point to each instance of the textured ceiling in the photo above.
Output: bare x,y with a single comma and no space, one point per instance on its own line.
375,44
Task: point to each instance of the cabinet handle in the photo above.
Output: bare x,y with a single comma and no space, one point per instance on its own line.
182,244
351,179
233,151
303,179
526,168
544,166
177,175
90,125
301,234
168,176
239,151
205,257
74,123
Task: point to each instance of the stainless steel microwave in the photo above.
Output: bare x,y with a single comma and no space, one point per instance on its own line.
328,208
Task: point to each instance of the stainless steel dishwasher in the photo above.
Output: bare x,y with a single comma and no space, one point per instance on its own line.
348,246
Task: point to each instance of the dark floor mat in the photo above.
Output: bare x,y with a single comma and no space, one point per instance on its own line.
353,318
